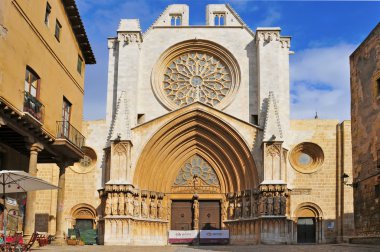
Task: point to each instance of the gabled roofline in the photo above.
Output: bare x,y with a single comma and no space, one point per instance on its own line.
79,31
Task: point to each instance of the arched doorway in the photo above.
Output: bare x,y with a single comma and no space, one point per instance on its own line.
198,135
84,216
309,228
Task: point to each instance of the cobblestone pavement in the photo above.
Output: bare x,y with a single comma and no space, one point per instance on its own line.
260,248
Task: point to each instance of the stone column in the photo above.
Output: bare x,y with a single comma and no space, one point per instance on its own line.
60,217
30,219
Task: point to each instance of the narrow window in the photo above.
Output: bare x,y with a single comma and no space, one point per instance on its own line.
66,111
2,161
79,64
219,19
58,28
378,158
47,13
140,118
377,191
254,119
31,82
378,87
175,20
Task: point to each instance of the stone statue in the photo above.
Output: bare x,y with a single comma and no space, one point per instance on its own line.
246,213
238,211
263,204
129,205
153,209
224,210
196,214
144,208
254,207
270,204
114,206
136,207
160,210
276,204
107,210
168,212
231,210
121,209
283,204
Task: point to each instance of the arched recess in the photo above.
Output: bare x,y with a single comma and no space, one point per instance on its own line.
196,132
308,209
83,212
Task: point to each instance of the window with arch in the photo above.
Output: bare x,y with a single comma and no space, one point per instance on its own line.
219,18
175,19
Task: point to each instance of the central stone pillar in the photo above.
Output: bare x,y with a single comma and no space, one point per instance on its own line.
60,217
31,196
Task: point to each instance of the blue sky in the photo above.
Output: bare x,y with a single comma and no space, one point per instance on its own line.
324,34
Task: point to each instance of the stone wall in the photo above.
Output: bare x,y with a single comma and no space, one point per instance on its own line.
365,105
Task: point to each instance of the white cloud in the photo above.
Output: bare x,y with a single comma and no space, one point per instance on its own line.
320,81
271,17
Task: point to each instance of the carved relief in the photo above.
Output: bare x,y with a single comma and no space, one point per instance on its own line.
129,204
136,206
196,214
153,209
114,206
107,210
121,208
131,38
144,208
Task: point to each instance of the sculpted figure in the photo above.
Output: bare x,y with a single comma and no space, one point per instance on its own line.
276,204
263,204
231,209
144,208
136,207
160,210
153,209
224,210
129,205
107,210
246,213
238,211
121,209
114,204
168,212
196,214
270,204
283,204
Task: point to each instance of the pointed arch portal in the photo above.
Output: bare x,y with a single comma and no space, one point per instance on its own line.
200,133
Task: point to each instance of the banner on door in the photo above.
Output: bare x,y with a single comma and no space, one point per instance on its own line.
214,236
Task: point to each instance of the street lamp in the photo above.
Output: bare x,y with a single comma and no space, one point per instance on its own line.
345,177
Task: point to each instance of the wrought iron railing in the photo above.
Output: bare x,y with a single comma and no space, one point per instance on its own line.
69,132
33,106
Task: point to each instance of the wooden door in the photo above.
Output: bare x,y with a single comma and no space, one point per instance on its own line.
209,215
306,230
181,215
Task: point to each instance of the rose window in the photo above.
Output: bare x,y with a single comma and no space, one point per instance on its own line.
196,76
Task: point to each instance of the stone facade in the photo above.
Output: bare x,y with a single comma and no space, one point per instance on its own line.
200,114
365,104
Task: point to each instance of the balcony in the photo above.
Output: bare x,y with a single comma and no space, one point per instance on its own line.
34,107
69,141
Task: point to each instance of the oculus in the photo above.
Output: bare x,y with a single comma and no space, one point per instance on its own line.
197,76
306,157
87,163
196,71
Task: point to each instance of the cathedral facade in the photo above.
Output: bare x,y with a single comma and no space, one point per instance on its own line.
198,136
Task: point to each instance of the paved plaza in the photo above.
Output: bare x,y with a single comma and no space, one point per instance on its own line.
261,248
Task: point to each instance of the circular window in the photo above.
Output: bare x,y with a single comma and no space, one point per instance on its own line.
195,71
306,157
87,163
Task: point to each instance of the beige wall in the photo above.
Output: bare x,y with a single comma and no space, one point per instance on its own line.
30,42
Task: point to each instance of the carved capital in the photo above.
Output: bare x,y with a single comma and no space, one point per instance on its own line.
36,147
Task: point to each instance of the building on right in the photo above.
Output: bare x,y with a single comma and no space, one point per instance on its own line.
365,116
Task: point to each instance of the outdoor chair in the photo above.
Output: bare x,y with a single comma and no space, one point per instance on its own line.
42,239
27,246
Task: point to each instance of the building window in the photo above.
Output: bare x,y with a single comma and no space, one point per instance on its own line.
47,13
31,82
176,20
378,158
255,119
378,88
79,64
219,19
66,111
377,191
58,28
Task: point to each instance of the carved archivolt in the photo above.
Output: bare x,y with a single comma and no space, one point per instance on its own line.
83,211
306,157
196,70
